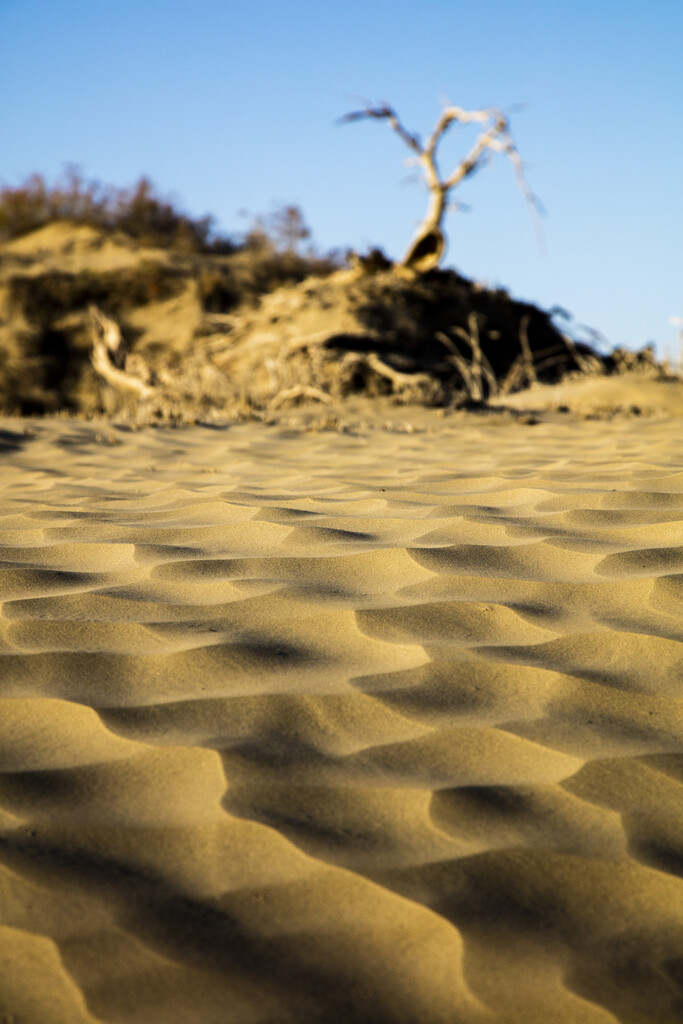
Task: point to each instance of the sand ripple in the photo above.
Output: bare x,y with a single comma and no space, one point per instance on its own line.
323,727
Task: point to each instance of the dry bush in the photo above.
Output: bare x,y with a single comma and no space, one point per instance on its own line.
261,267
623,360
139,211
269,257
54,294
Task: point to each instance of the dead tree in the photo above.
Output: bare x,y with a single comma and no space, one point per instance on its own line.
429,244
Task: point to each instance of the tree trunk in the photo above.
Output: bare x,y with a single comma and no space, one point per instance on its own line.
428,246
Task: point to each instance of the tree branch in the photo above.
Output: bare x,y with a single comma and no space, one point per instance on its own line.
450,114
386,113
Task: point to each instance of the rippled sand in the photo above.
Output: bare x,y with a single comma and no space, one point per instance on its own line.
331,728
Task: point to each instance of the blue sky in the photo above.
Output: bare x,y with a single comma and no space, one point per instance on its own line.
231,106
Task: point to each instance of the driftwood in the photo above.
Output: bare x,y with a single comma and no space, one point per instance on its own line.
428,246
124,371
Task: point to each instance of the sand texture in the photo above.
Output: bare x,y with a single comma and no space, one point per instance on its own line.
306,728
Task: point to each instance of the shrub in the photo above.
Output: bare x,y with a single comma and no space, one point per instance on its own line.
140,211
269,257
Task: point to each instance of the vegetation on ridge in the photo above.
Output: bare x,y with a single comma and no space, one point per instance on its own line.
139,211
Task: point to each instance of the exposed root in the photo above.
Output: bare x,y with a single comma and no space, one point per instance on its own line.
299,391
401,380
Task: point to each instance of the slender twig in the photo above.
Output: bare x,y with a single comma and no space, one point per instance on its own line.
526,349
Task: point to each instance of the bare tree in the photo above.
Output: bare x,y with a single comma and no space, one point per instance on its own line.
288,227
428,245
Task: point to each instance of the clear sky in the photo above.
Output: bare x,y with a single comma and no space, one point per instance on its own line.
230,105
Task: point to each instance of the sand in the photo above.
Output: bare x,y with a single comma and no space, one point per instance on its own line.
376,726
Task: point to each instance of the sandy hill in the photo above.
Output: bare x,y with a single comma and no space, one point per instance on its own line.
208,332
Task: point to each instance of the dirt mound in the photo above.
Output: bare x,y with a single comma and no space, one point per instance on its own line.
49,278
436,337
163,299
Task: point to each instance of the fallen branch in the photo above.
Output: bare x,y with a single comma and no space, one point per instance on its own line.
299,391
111,360
397,377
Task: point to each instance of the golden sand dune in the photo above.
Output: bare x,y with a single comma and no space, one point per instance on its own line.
380,727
